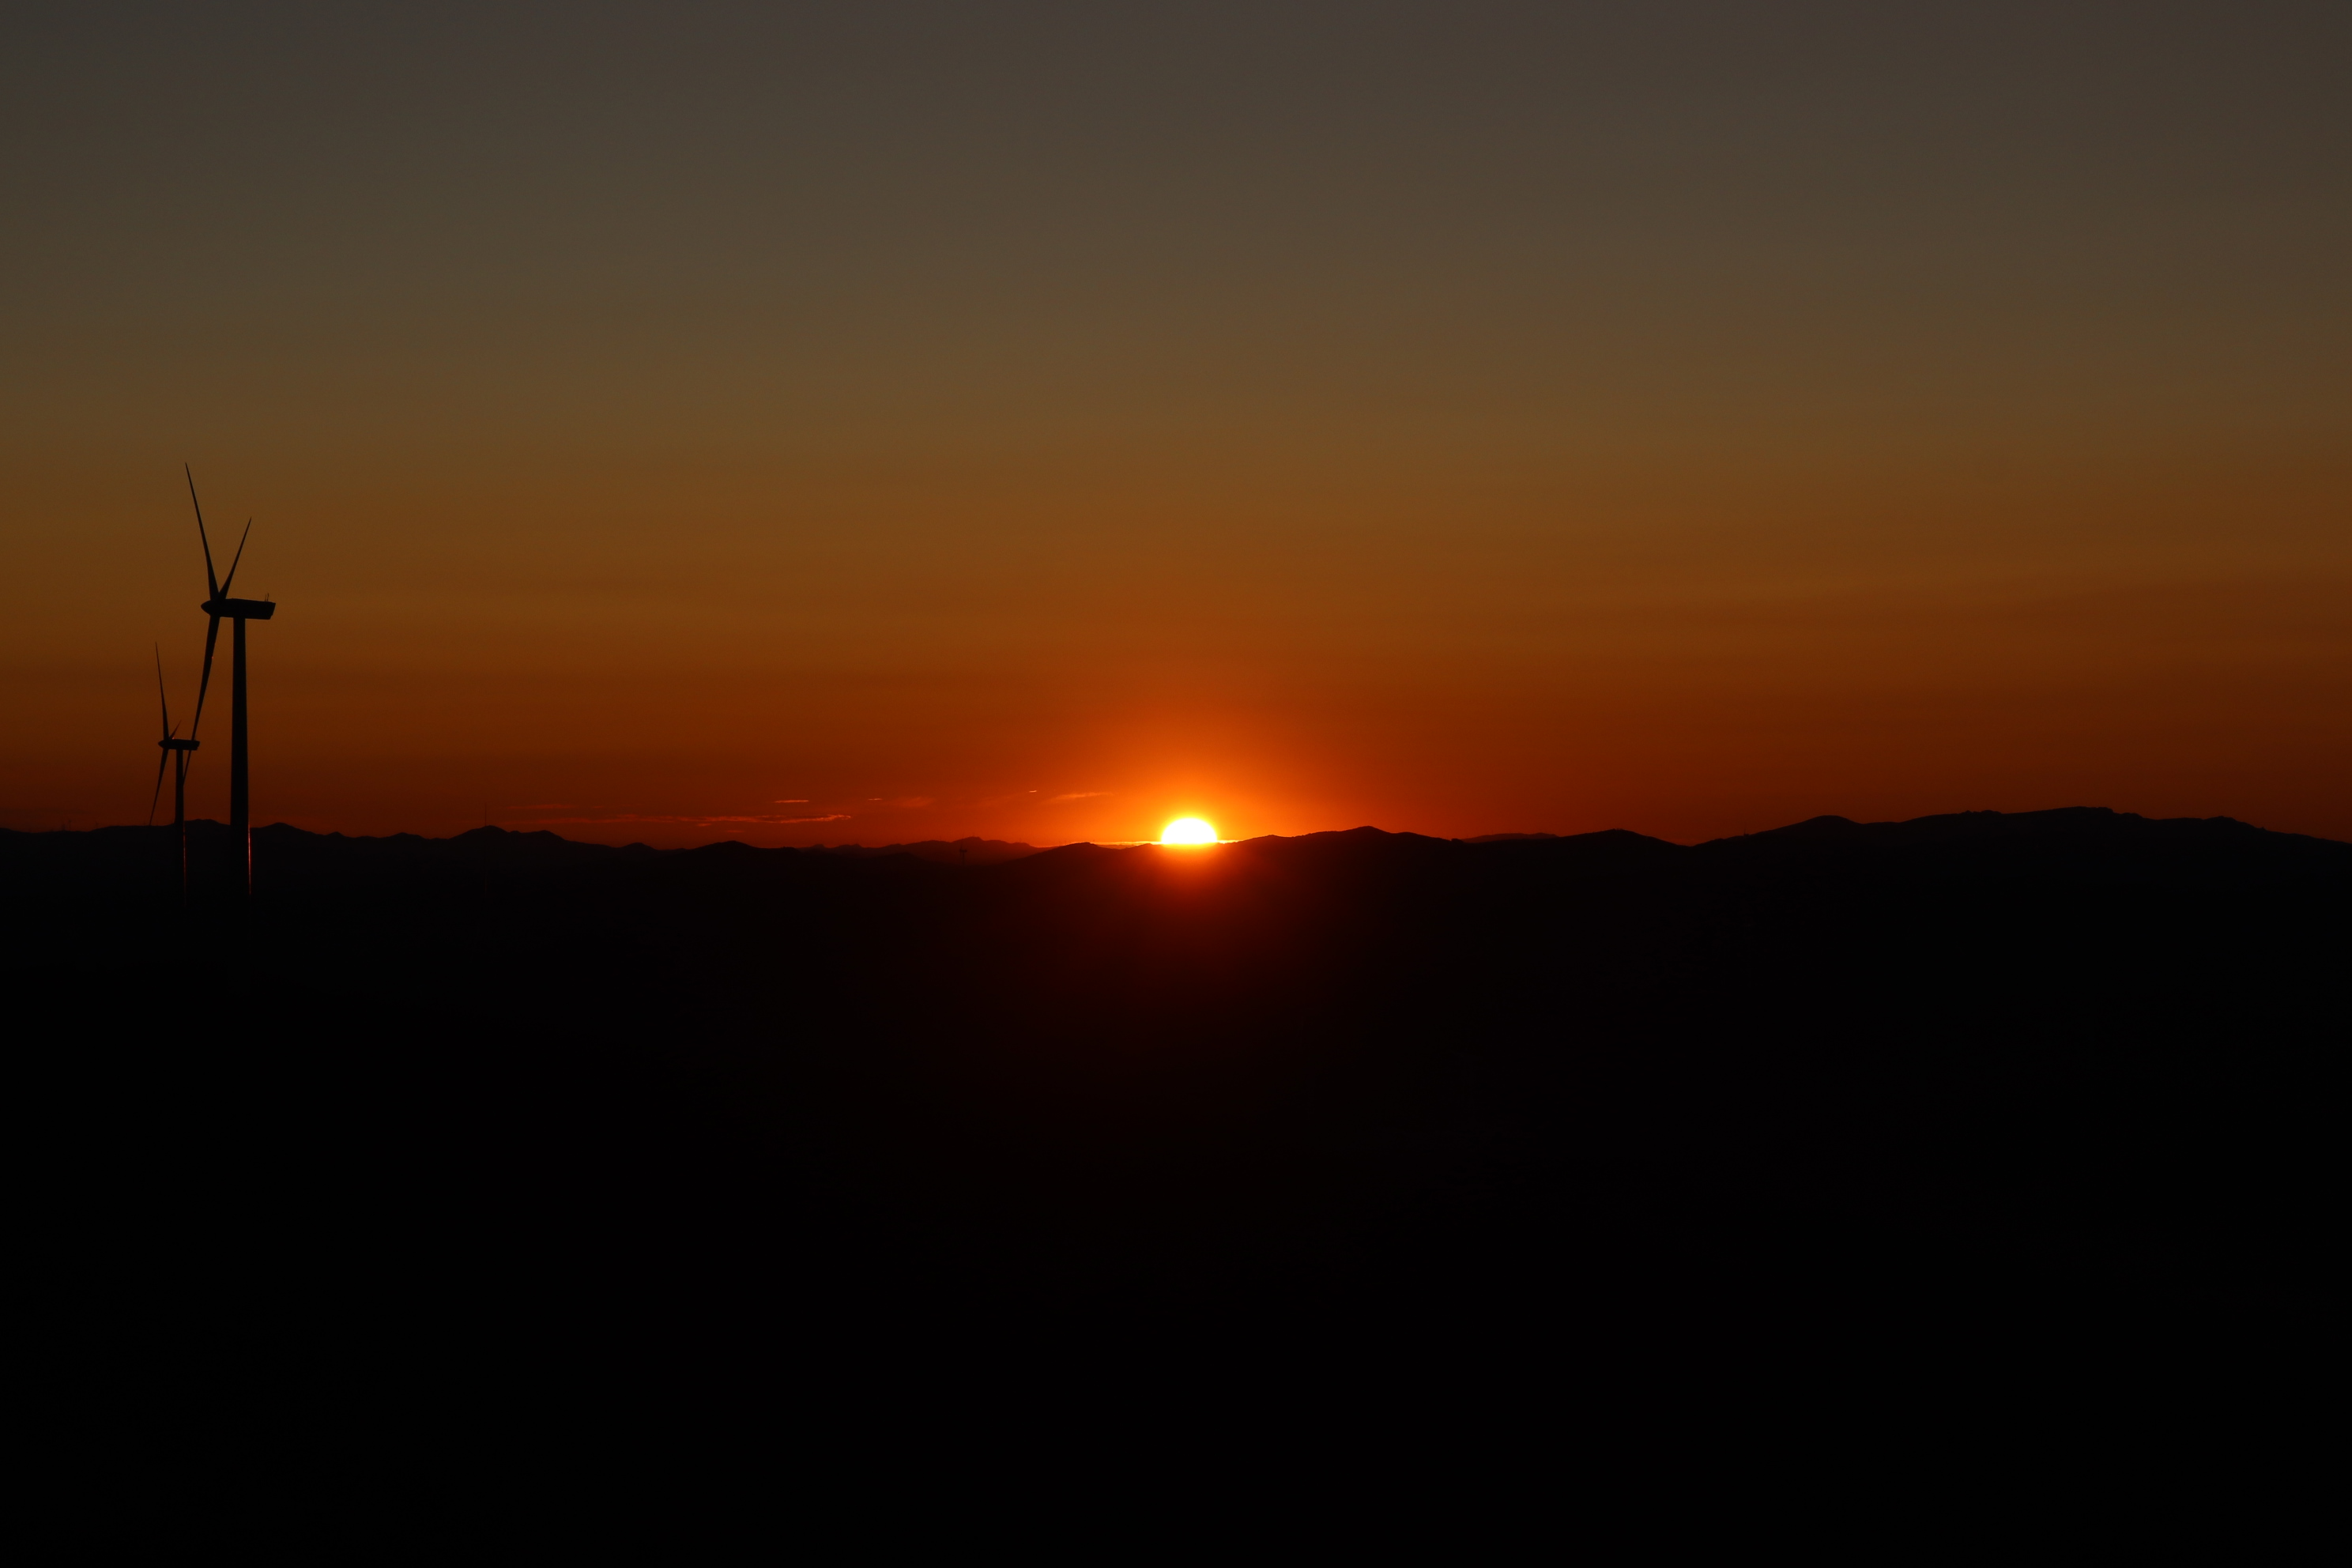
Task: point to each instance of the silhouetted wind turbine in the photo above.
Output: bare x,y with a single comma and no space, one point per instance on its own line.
220,606
175,751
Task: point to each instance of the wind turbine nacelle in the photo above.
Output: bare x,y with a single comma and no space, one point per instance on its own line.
179,745
240,609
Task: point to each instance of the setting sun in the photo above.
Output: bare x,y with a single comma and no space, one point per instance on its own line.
1188,830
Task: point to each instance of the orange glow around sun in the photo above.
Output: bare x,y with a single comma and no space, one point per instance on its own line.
1188,830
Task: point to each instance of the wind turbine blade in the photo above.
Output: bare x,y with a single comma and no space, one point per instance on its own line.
212,638
162,762
231,578
161,699
210,582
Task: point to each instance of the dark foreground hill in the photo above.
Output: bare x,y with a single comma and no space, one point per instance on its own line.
1368,1095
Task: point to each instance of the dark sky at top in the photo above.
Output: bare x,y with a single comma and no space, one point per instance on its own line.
682,420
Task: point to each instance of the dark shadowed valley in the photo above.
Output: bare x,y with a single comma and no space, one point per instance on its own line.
1359,1088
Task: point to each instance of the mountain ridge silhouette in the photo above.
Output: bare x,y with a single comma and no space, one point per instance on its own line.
2057,828
1413,1091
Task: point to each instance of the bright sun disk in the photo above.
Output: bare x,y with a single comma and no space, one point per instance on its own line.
1188,830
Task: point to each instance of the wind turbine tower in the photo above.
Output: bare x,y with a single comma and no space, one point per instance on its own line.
220,607
181,752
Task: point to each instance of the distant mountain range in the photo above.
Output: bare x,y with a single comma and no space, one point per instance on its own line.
2068,832
959,851
1469,1100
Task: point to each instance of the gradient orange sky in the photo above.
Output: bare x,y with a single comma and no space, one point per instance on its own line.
893,422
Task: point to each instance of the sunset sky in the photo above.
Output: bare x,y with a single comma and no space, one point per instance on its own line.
875,422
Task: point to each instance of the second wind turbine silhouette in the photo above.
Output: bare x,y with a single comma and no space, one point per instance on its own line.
181,752
220,607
